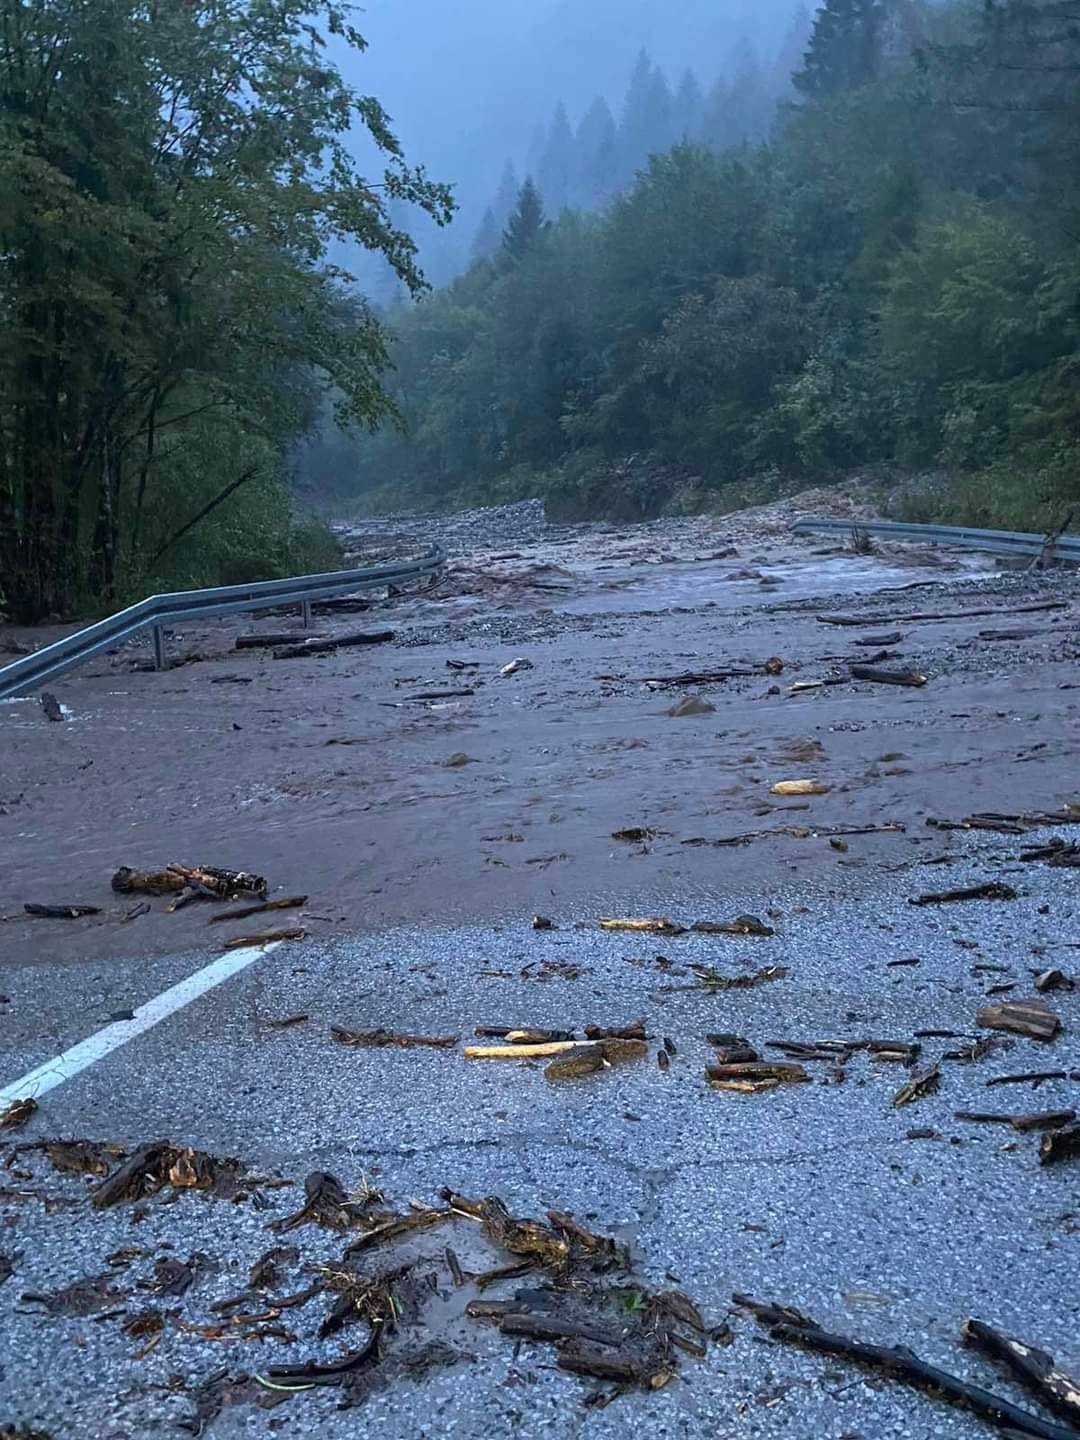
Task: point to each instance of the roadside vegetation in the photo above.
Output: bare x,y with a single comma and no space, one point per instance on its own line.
171,179
888,285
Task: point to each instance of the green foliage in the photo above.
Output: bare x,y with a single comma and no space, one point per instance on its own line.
526,224
891,281
170,179
845,48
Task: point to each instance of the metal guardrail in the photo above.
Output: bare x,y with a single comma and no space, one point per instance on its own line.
159,610
994,542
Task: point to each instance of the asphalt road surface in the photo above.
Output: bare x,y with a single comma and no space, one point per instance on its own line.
817,1195
888,1223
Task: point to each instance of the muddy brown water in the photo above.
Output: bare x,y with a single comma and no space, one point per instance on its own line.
325,776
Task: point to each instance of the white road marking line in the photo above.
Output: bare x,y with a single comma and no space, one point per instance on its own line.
87,1052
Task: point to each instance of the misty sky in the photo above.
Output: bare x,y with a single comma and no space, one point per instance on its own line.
468,81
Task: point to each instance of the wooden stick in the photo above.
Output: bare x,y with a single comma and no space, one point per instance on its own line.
862,620
901,1364
1033,1368
268,937
1061,1144
327,647
523,1052
287,902
913,678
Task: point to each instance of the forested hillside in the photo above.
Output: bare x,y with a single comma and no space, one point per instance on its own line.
890,279
171,176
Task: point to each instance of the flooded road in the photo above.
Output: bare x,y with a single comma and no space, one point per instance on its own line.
421,807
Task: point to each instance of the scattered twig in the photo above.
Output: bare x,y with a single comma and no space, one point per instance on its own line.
379,1039
1032,1367
62,912
992,890
901,1364
287,902
267,937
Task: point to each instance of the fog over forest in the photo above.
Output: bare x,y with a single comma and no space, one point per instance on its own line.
656,259
475,86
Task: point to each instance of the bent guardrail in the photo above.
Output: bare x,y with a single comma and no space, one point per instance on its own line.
993,542
156,611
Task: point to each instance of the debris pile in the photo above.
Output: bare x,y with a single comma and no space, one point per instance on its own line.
1035,1369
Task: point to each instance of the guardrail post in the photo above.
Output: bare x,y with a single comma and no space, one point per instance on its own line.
305,613
159,648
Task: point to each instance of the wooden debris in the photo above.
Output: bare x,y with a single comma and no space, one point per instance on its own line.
379,1039
656,925
1011,824
584,1061
224,884
522,1035
1041,1120
51,706
286,1022
733,1050
800,787
690,677
923,1082
1063,1144
874,642
766,1313
265,1274
1053,980
912,678
516,666
522,1052
1062,854
1034,1077
265,937
339,642
709,979
1032,1367
394,1227
81,1157
161,1163
992,890
89,1296
975,1049
636,834
325,1204
62,912
634,1031
287,902
902,1051
1032,1018
17,1114
902,1365
798,832
541,922
528,1239
741,925
603,1364
427,695
861,620
528,1325
834,1050
453,1264
267,639
718,1075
